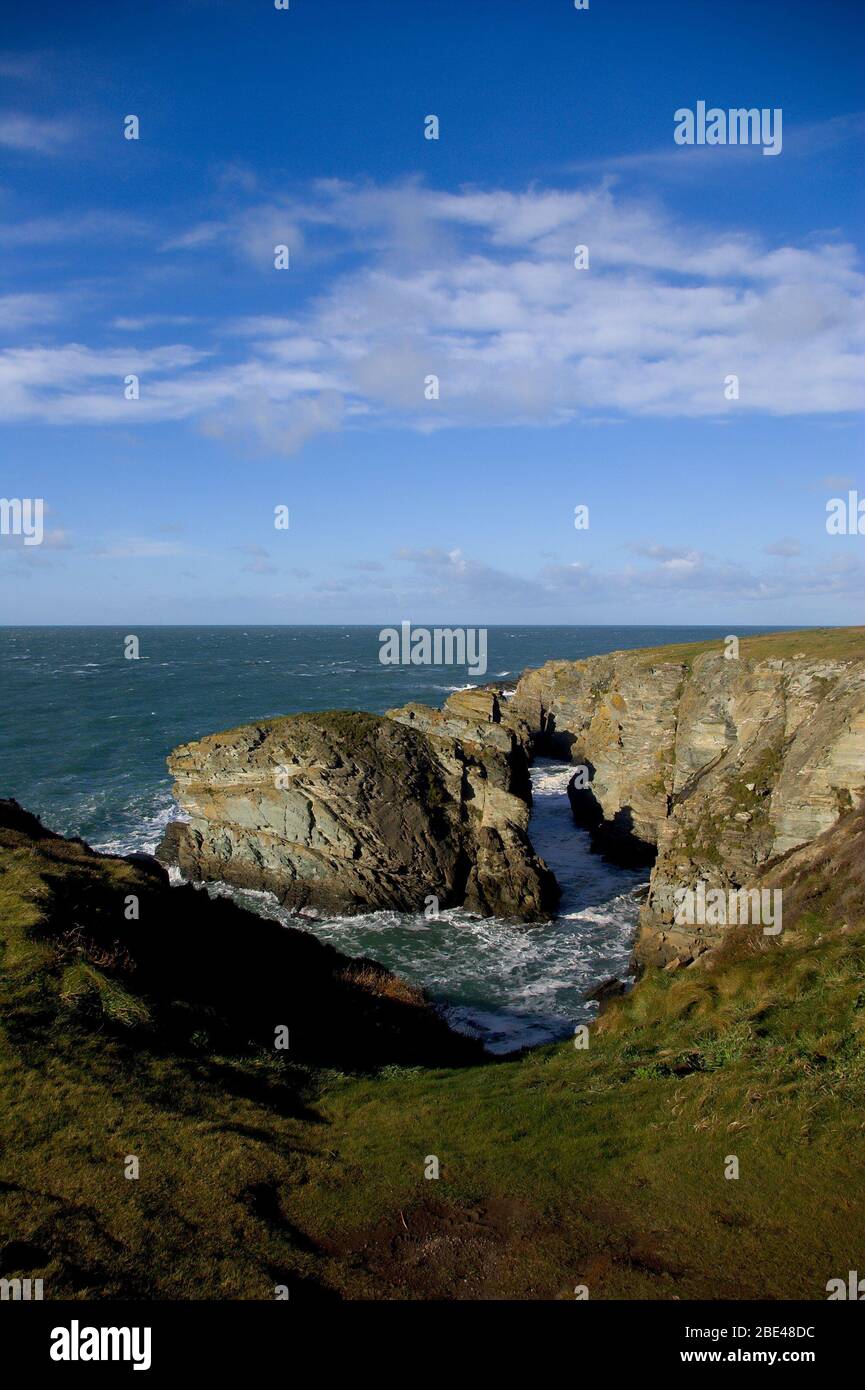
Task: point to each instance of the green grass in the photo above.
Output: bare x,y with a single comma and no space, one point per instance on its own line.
817,643
153,1038
621,1148
602,1166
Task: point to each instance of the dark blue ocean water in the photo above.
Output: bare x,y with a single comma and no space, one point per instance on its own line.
84,734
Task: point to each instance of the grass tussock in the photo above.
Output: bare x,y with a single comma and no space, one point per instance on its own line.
375,980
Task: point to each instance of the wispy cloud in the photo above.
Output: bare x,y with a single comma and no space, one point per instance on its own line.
25,310
33,135
836,482
449,581
276,427
259,561
143,322
786,548
478,289
802,140
61,229
452,576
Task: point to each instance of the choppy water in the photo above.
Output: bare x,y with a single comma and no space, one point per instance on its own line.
84,734
511,986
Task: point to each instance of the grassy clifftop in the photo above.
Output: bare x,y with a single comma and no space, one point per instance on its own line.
138,1022
603,1167
812,643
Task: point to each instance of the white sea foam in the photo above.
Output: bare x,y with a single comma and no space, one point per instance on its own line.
511,986
149,827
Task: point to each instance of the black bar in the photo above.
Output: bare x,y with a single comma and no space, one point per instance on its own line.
244,1338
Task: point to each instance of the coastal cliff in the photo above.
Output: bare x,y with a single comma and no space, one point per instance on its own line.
114,946
712,769
352,812
149,1034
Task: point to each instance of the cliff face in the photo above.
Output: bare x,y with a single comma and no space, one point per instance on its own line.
718,767
712,770
618,719
97,942
352,812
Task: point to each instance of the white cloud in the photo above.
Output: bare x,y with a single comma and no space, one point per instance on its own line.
277,428
146,321
479,289
450,577
88,226
73,383
28,133
458,587
24,310
252,234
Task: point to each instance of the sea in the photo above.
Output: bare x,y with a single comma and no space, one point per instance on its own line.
84,733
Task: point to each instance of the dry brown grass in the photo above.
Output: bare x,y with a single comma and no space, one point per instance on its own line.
372,978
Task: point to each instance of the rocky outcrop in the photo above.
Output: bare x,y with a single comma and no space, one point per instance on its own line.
352,812
617,718
713,768
106,944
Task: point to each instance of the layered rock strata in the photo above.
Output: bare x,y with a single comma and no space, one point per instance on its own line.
351,812
715,769
177,977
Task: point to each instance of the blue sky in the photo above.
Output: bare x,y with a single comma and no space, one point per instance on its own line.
409,257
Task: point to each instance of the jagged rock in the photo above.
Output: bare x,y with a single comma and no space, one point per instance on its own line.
618,719
711,769
185,964
714,768
353,812
604,993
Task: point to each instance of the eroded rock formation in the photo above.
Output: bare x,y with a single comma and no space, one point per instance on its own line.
712,770
352,812
718,768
